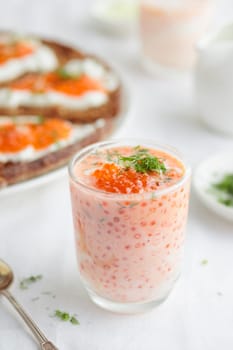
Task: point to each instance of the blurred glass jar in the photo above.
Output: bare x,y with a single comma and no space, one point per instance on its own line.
169,31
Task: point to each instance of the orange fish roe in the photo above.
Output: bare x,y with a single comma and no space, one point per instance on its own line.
14,50
53,81
16,137
33,82
52,130
73,86
112,178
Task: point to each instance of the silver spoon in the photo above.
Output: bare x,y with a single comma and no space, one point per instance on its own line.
6,278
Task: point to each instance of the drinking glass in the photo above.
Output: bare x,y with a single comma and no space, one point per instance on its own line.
170,30
129,246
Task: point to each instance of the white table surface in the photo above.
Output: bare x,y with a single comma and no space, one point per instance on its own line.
36,235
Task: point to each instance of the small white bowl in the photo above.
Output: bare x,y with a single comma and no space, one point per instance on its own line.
209,172
115,16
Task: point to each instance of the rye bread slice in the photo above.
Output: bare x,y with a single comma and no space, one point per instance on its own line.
108,110
15,172
65,53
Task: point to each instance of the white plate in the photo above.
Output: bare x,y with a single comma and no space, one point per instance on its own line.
211,171
59,173
34,183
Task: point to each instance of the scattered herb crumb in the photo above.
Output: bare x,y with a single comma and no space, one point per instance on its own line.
35,299
40,119
204,262
46,293
74,320
49,294
133,204
26,282
65,74
153,196
66,317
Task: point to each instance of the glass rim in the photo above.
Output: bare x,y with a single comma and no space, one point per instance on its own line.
124,142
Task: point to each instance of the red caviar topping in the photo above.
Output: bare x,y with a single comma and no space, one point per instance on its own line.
112,178
51,131
13,139
53,81
16,137
14,50
73,86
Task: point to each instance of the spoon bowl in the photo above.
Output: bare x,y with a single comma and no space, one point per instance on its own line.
6,275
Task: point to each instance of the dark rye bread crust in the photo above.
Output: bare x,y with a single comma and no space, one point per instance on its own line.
12,173
65,53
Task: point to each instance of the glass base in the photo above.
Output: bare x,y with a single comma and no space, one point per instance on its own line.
155,68
125,308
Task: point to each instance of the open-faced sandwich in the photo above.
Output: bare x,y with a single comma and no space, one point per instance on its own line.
43,77
33,145
54,100
21,54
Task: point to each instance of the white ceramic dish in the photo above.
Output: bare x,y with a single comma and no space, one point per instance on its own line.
115,16
61,172
34,183
211,171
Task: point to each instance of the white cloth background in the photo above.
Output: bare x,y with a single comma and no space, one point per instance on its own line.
36,229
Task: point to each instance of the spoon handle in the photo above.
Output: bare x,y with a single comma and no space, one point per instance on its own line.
44,342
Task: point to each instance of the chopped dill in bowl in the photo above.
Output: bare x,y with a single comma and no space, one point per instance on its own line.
223,190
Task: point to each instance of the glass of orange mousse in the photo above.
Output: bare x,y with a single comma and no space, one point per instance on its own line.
170,30
130,204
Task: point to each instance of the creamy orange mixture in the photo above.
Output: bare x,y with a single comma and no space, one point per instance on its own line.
16,137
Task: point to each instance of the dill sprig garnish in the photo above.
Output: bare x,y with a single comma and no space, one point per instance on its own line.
142,161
